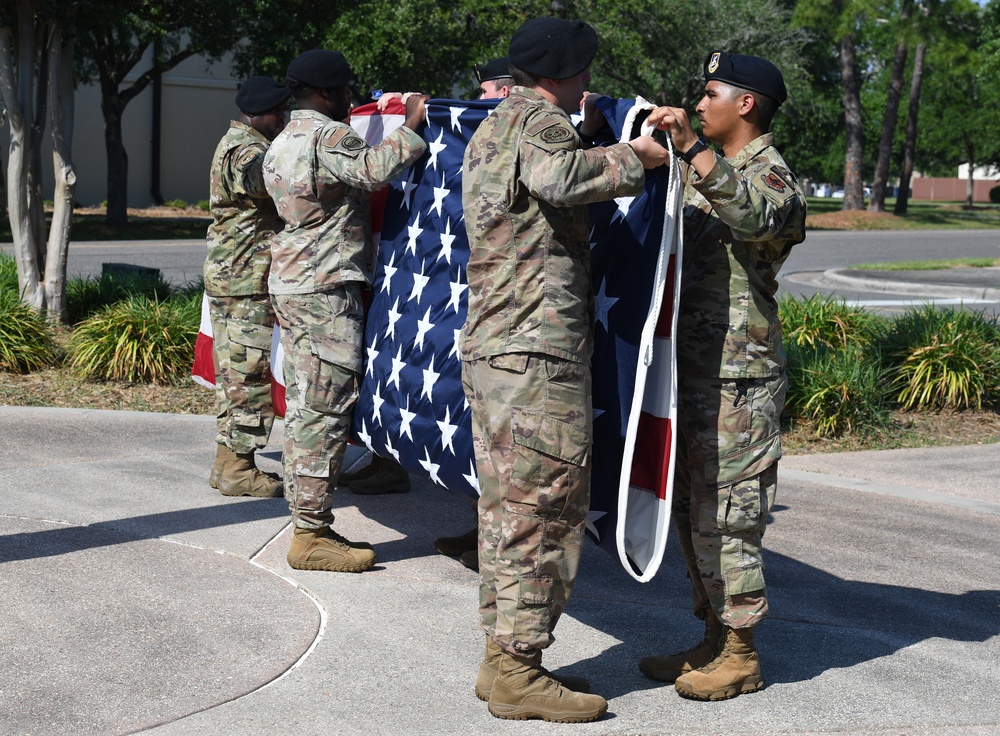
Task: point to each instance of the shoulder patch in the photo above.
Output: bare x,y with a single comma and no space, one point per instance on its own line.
774,181
353,143
247,158
344,139
556,134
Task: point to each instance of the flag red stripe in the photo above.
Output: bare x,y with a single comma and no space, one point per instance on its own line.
651,460
664,323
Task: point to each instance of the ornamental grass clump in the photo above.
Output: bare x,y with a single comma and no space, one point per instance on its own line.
839,390
86,296
27,341
944,358
138,340
825,320
8,275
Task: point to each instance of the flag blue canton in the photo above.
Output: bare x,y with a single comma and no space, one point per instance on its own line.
411,404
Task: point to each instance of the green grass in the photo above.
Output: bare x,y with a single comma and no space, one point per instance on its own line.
27,341
94,227
930,265
86,296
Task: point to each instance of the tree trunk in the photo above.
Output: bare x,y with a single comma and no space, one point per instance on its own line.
17,92
854,156
910,145
970,156
881,177
117,165
61,108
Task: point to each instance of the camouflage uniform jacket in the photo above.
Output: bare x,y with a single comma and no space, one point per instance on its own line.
525,185
243,216
740,222
319,173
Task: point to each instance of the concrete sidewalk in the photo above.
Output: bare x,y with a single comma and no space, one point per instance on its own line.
137,599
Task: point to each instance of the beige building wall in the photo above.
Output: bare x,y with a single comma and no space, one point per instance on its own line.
197,105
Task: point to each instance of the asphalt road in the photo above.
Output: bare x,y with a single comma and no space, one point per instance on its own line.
180,261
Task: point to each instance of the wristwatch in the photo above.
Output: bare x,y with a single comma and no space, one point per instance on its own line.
696,148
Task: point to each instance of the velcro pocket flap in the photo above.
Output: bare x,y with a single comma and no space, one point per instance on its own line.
549,436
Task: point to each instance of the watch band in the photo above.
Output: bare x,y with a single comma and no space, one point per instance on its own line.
697,147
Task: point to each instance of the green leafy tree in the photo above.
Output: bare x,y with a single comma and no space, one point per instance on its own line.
114,45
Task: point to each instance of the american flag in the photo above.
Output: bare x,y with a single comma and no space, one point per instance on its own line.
411,405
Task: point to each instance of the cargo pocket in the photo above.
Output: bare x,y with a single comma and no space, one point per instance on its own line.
549,455
332,388
534,612
249,346
740,580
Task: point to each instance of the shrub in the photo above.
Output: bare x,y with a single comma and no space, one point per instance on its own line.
204,205
137,339
840,390
27,341
176,204
825,320
85,296
944,358
995,195
8,276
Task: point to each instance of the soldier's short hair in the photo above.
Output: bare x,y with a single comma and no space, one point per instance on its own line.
522,77
766,106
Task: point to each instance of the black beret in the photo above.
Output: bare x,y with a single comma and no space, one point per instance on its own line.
553,48
320,69
260,94
749,72
493,69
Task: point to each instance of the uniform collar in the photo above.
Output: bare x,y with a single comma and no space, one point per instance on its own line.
240,125
534,97
751,149
310,114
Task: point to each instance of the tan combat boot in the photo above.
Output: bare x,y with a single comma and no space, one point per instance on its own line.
735,671
324,549
241,477
456,546
222,455
523,689
491,663
668,667
386,476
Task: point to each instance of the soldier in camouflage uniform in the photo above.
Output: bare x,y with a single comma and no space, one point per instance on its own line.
526,349
239,255
320,173
743,212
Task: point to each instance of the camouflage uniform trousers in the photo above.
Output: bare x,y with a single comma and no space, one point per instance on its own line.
531,424
321,335
728,447
242,327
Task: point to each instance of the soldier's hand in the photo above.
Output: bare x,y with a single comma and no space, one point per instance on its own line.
383,101
593,118
416,111
675,121
650,153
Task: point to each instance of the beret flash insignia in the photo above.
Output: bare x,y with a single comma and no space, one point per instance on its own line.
713,63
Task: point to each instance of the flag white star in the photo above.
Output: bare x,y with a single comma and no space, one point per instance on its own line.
457,289
591,518
456,113
603,304
391,450
446,240
420,280
455,343
393,314
372,355
364,436
623,206
407,185
377,402
405,417
471,478
413,231
390,271
424,325
439,194
593,243
597,412
430,378
431,468
436,147
447,431
397,367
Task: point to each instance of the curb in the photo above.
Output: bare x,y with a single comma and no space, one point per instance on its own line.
843,277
